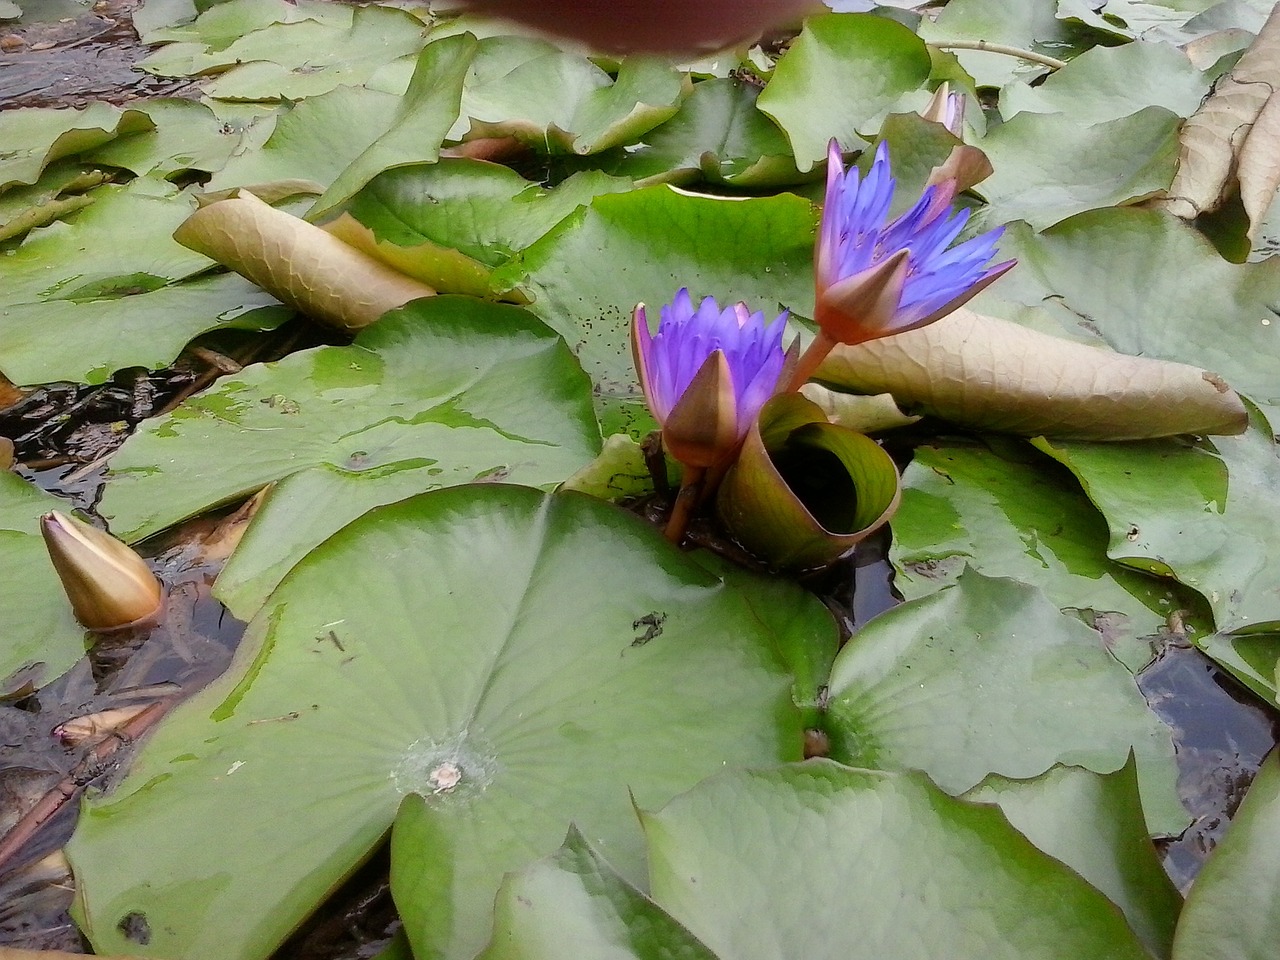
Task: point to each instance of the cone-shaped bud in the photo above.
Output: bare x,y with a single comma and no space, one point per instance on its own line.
109,585
803,492
702,428
862,292
855,308
946,108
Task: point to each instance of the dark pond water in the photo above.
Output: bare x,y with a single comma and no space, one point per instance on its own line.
64,53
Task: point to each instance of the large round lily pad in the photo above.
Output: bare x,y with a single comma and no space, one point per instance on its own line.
505,660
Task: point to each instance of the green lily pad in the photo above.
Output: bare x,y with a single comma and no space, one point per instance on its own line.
1033,25
1252,658
307,507
425,113
187,136
289,60
1114,16
821,861
1008,512
219,23
449,224
587,275
36,137
35,615
718,136
121,242
1147,282
1107,83
1094,824
1047,167
473,653
908,693
620,471
88,340
871,61
314,140
469,386
1203,512
575,897
58,193
1229,912
532,90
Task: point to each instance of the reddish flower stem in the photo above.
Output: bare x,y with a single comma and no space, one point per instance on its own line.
810,360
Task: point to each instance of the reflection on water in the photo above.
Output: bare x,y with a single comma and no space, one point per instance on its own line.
1221,732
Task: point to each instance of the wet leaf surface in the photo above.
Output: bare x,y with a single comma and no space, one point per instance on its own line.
576,896
1007,512
887,855
1047,168
1202,513
1095,825
900,695
438,385
474,718
452,223
871,60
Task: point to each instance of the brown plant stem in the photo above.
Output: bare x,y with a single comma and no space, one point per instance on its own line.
810,360
1053,63
656,462
86,771
688,497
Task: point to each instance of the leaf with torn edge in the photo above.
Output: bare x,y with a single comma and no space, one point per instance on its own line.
302,265
983,372
1233,138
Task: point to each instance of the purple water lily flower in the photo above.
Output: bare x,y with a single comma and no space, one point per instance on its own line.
706,373
874,278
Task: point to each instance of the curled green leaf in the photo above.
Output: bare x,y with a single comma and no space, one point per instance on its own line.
804,491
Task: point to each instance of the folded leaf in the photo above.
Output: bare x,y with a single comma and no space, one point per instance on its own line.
302,265
996,375
803,491
1232,139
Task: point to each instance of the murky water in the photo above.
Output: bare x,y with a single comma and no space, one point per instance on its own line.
63,53
1222,732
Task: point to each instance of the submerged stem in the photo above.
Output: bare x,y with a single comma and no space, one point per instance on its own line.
688,497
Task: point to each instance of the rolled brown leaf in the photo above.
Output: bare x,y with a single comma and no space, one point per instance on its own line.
297,262
995,375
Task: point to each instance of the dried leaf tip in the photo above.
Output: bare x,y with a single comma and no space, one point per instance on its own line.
109,585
